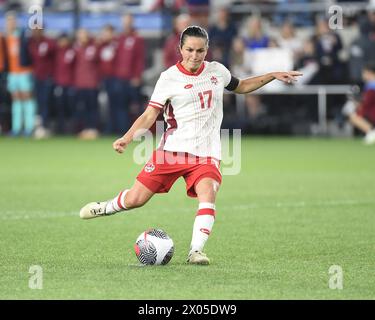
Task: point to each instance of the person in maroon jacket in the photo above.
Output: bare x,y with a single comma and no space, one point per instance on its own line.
107,53
63,78
86,82
129,67
171,54
42,51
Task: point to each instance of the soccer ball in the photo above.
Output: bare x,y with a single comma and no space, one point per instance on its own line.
154,247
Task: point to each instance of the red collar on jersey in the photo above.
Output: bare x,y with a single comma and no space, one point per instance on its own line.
183,70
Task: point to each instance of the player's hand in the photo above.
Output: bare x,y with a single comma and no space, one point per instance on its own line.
287,77
120,145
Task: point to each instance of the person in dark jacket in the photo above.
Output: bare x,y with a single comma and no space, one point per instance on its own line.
86,82
129,66
328,45
63,79
4,104
221,36
107,53
42,51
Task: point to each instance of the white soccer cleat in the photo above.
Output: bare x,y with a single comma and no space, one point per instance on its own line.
93,210
198,257
370,137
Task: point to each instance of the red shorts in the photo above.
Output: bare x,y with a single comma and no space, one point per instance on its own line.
165,167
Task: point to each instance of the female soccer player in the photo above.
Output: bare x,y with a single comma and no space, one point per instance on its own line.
190,94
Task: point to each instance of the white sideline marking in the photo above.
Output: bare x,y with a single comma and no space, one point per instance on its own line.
44,214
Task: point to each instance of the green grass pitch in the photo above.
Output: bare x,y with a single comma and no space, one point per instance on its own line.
298,207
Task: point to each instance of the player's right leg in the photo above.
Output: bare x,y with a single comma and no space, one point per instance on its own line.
206,190
127,199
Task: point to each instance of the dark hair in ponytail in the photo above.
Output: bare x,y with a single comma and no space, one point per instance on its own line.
193,31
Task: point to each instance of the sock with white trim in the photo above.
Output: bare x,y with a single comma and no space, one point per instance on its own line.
203,224
117,204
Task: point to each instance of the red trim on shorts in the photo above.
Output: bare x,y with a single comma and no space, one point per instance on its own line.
206,211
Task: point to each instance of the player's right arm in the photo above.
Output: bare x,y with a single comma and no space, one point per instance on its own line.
142,124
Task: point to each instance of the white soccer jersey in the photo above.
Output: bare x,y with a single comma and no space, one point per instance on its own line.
193,108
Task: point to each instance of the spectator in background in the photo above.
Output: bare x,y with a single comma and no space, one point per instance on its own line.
307,63
288,40
86,81
254,110
367,24
257,39
4,105
237,58
282,13
171,52
221,36
19,80
199,11
362,114
327,47
363,48
159,5
256,36
63,78
107,53
3,56
42,51
129,66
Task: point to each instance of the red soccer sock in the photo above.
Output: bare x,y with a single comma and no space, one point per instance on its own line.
203,224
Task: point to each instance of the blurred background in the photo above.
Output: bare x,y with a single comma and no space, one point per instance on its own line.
87,68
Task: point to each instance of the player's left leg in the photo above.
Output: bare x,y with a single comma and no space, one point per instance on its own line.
206,190
135,197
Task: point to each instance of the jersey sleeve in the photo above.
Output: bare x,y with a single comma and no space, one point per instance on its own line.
225,73
161,93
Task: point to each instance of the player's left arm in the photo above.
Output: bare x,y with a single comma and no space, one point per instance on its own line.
250,84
